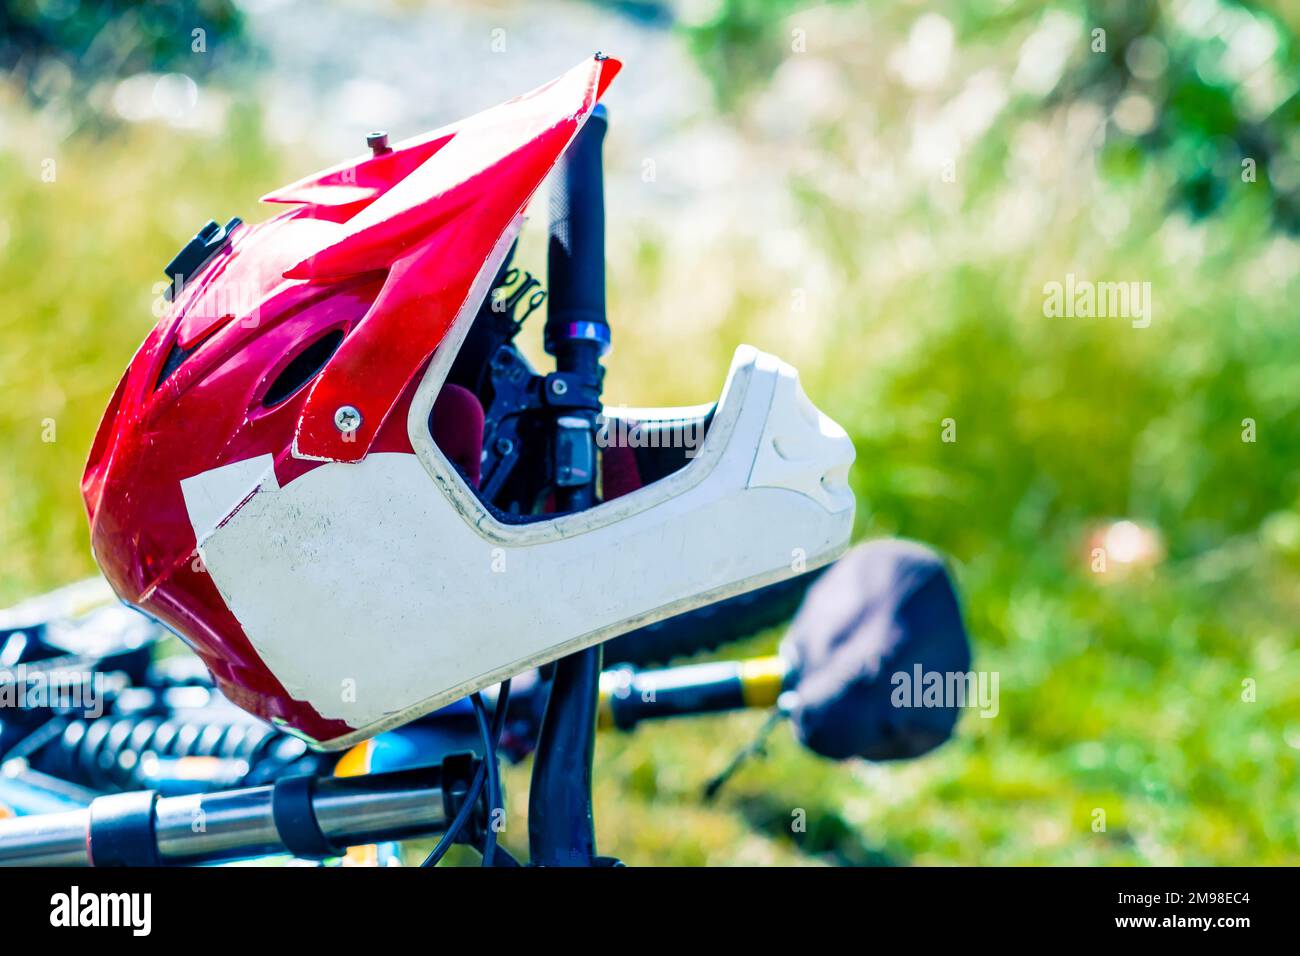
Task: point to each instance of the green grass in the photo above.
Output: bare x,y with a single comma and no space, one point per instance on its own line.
1123,696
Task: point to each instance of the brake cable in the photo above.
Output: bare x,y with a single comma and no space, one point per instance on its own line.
491,737
486,774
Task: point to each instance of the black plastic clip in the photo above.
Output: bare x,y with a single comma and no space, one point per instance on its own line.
206,243
567,390
458,772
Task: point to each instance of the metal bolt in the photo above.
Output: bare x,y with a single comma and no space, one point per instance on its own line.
347,419
559,386
505,446
378,143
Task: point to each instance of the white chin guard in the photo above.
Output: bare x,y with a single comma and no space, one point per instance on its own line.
381,590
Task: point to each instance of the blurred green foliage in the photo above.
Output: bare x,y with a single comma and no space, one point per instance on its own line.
57,50
1202,65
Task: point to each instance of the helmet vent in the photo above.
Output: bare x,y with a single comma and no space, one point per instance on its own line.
303,368
175,357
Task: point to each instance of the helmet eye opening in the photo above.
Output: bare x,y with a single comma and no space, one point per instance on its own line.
304,366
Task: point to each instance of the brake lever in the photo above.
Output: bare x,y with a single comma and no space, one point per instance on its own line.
756,748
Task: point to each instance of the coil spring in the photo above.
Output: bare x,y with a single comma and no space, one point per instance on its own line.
105,754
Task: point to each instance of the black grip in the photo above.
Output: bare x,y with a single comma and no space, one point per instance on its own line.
880,625
121,830
576,255
294,813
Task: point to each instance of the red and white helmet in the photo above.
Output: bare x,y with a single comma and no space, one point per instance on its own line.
266,480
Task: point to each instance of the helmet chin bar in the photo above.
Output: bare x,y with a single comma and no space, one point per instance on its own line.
428,591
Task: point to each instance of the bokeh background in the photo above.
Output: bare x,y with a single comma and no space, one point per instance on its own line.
878,193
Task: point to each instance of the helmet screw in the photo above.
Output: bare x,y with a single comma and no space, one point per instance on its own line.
559,386
347,419
504,446
378,143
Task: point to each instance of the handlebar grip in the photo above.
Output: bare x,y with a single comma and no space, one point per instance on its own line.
576,255
883,620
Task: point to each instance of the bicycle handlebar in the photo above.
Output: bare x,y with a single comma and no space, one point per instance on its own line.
141,828
629,696
338,812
